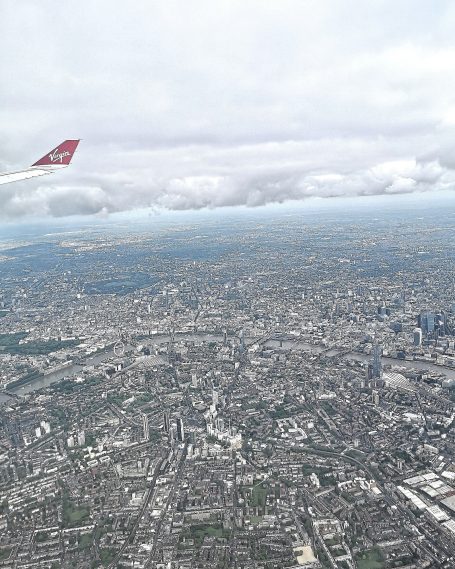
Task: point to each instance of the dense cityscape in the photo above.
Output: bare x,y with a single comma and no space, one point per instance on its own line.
244,391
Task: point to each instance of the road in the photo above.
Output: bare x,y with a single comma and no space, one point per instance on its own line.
177,479
144,506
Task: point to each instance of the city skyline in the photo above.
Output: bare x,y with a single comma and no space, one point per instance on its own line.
260,391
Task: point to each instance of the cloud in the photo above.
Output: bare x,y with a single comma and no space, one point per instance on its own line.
202,104
250,189
56,201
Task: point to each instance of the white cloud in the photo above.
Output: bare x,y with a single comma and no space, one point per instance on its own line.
204,104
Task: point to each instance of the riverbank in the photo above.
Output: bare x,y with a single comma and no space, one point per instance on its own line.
157,340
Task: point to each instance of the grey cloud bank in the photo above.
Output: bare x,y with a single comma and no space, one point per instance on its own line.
187,105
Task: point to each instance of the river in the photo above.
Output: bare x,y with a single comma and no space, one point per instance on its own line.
157,340
424,366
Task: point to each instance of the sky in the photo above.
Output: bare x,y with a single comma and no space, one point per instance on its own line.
185,105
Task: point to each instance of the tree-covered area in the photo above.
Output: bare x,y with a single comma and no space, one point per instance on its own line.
370,559
70,386
73,514
40,347
10,343
117,398
11,339
200,531
27,378
107,555
5,552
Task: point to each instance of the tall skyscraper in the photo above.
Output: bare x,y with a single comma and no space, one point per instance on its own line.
426,321
180,430
242,339
376,363
418,337
194,381
81,438
167,422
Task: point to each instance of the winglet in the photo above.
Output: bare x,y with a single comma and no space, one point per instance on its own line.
60,156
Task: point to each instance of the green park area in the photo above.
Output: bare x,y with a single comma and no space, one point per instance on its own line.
5,552
258,496
201,531
85,541
117,398
11,339
370,559
10,343
107,555
74,515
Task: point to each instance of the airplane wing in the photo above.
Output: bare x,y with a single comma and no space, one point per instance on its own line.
56,159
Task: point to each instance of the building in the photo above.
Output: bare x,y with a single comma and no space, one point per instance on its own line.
426,321
167,422
194,381
418,337
376,364
375,398
180,430
81,438
242,340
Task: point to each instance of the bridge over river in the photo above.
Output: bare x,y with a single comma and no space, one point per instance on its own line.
272,340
